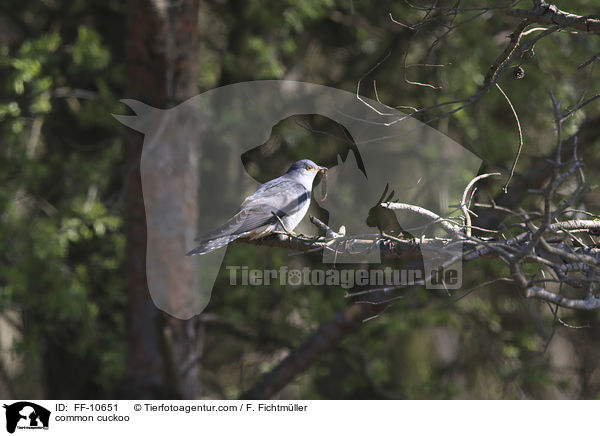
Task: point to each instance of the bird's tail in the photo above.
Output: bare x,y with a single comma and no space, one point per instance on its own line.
209,245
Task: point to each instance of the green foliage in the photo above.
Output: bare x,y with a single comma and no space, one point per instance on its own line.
88,52
63,243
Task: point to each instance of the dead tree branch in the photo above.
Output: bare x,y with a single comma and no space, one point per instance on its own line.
548,14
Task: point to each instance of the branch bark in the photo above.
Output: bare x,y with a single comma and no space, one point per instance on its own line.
548,14
324,338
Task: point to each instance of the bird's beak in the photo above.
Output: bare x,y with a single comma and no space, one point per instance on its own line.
323,169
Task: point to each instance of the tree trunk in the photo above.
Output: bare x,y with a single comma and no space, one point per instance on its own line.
162,59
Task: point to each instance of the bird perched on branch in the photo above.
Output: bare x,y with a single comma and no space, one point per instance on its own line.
277,205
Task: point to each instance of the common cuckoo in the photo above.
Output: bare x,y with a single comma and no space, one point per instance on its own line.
281,200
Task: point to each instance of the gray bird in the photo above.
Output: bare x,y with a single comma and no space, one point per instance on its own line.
287,196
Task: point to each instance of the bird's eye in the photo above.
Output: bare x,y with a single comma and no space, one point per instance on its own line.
308,167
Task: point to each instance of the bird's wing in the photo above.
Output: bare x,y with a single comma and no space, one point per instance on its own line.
283,197
279,192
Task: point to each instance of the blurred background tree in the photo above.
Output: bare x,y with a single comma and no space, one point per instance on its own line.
75,317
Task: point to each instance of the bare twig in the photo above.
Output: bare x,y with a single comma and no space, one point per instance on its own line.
463,202
520,147
445,223
515,39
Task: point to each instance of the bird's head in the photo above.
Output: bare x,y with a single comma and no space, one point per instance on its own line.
306,169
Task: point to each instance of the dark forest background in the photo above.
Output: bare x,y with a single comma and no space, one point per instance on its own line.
76,320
